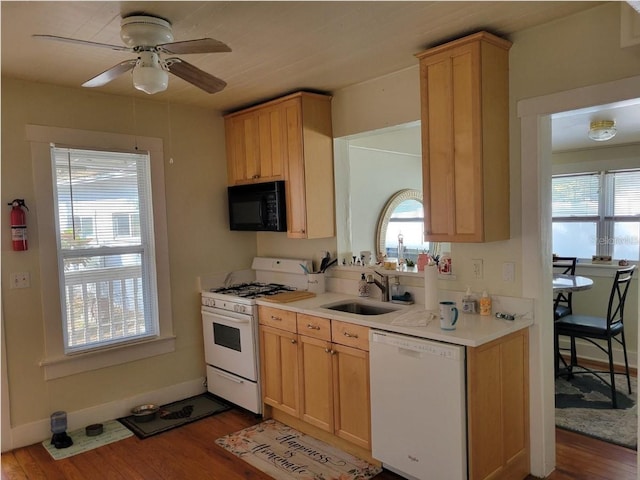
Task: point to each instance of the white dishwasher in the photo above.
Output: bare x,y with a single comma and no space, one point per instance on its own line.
418,407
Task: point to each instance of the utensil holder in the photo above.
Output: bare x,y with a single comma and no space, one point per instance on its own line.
316,283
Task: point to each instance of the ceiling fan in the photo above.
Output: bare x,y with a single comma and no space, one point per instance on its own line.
150,37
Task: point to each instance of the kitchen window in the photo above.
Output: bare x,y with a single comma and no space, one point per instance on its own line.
597,213
106,297
107,276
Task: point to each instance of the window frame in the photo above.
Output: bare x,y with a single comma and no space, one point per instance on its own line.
56,363
605,220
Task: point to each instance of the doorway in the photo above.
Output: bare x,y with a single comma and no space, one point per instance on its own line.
536,133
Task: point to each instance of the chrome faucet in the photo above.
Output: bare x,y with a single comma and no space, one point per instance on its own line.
383,285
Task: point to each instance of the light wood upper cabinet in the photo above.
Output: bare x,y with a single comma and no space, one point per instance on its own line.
255,145
464,93
288,138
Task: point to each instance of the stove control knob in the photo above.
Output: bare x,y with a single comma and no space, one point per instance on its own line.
239,308
209,302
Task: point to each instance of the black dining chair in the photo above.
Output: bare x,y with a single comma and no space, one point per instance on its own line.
591,329
562,303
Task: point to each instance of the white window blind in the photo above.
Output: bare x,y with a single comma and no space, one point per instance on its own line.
597,214
105,247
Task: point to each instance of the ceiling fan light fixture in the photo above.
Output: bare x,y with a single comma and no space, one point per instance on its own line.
148,74
602,130
150,79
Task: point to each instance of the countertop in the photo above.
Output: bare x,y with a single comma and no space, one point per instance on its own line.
472,330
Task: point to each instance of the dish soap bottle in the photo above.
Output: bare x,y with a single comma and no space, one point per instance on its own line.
485,304
396,294
469,304
363,287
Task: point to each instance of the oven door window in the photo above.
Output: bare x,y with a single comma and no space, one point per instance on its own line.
228,337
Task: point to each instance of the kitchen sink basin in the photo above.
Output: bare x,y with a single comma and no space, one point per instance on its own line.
359,308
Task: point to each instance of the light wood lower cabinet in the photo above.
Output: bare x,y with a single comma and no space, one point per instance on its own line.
332,373
498,408
279,368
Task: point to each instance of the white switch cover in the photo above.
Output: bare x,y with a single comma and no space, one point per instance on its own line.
508,272
477,269
20,280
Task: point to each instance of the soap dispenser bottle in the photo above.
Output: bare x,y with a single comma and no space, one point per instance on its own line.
396,294
363,287
485,304
469,304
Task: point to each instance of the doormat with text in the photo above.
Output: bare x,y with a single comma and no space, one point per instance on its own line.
176,414
287,454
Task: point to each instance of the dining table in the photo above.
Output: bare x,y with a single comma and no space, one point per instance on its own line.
563,282
570,283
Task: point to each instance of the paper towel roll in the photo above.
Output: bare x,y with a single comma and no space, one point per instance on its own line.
431,287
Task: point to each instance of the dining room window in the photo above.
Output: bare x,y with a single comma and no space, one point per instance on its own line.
597,213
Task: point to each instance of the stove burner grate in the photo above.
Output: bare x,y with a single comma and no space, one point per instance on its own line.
253,290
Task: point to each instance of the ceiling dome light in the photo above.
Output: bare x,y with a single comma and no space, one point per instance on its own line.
602,130
148,74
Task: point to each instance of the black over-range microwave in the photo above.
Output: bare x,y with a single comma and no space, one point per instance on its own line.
259,207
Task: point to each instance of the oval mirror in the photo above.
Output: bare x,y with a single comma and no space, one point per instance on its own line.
402,215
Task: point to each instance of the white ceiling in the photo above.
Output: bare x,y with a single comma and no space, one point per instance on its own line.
277,47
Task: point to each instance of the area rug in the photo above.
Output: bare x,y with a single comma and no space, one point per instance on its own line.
112,432
176,414
583,405
286,454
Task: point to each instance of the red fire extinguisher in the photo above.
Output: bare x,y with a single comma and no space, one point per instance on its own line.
18,225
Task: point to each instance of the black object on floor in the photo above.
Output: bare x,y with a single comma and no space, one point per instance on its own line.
176,414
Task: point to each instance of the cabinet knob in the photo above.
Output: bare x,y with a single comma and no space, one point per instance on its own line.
293,340
333,352
255,177
327,350
273,317
350,335
313,327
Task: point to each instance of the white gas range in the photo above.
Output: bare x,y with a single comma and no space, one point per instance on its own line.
230,325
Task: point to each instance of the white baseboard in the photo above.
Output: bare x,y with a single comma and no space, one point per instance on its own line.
590,352
38,431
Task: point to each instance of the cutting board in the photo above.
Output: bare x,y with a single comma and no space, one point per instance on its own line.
286,297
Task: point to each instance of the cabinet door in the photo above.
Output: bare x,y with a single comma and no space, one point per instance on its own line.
352,405
498,408
279,367
452,148
296,187
271,140
256,146
317,382
243,148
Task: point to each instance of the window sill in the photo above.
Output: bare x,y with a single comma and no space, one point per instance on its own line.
57,367
599,269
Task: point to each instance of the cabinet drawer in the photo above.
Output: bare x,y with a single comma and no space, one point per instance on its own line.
350,334
276,318
316,327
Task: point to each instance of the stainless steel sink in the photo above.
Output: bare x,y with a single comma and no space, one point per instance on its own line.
359,308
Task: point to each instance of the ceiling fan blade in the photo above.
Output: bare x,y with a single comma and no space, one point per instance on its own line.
84,42
195,76
108,75
202,45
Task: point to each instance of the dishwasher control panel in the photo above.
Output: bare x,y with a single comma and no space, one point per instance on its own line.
429,347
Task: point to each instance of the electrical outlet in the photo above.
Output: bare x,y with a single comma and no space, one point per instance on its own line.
508,272
20,280
476,265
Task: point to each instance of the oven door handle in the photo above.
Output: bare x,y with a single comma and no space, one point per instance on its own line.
227,316
229,377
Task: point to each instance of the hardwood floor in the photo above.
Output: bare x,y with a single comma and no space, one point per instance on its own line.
190,453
